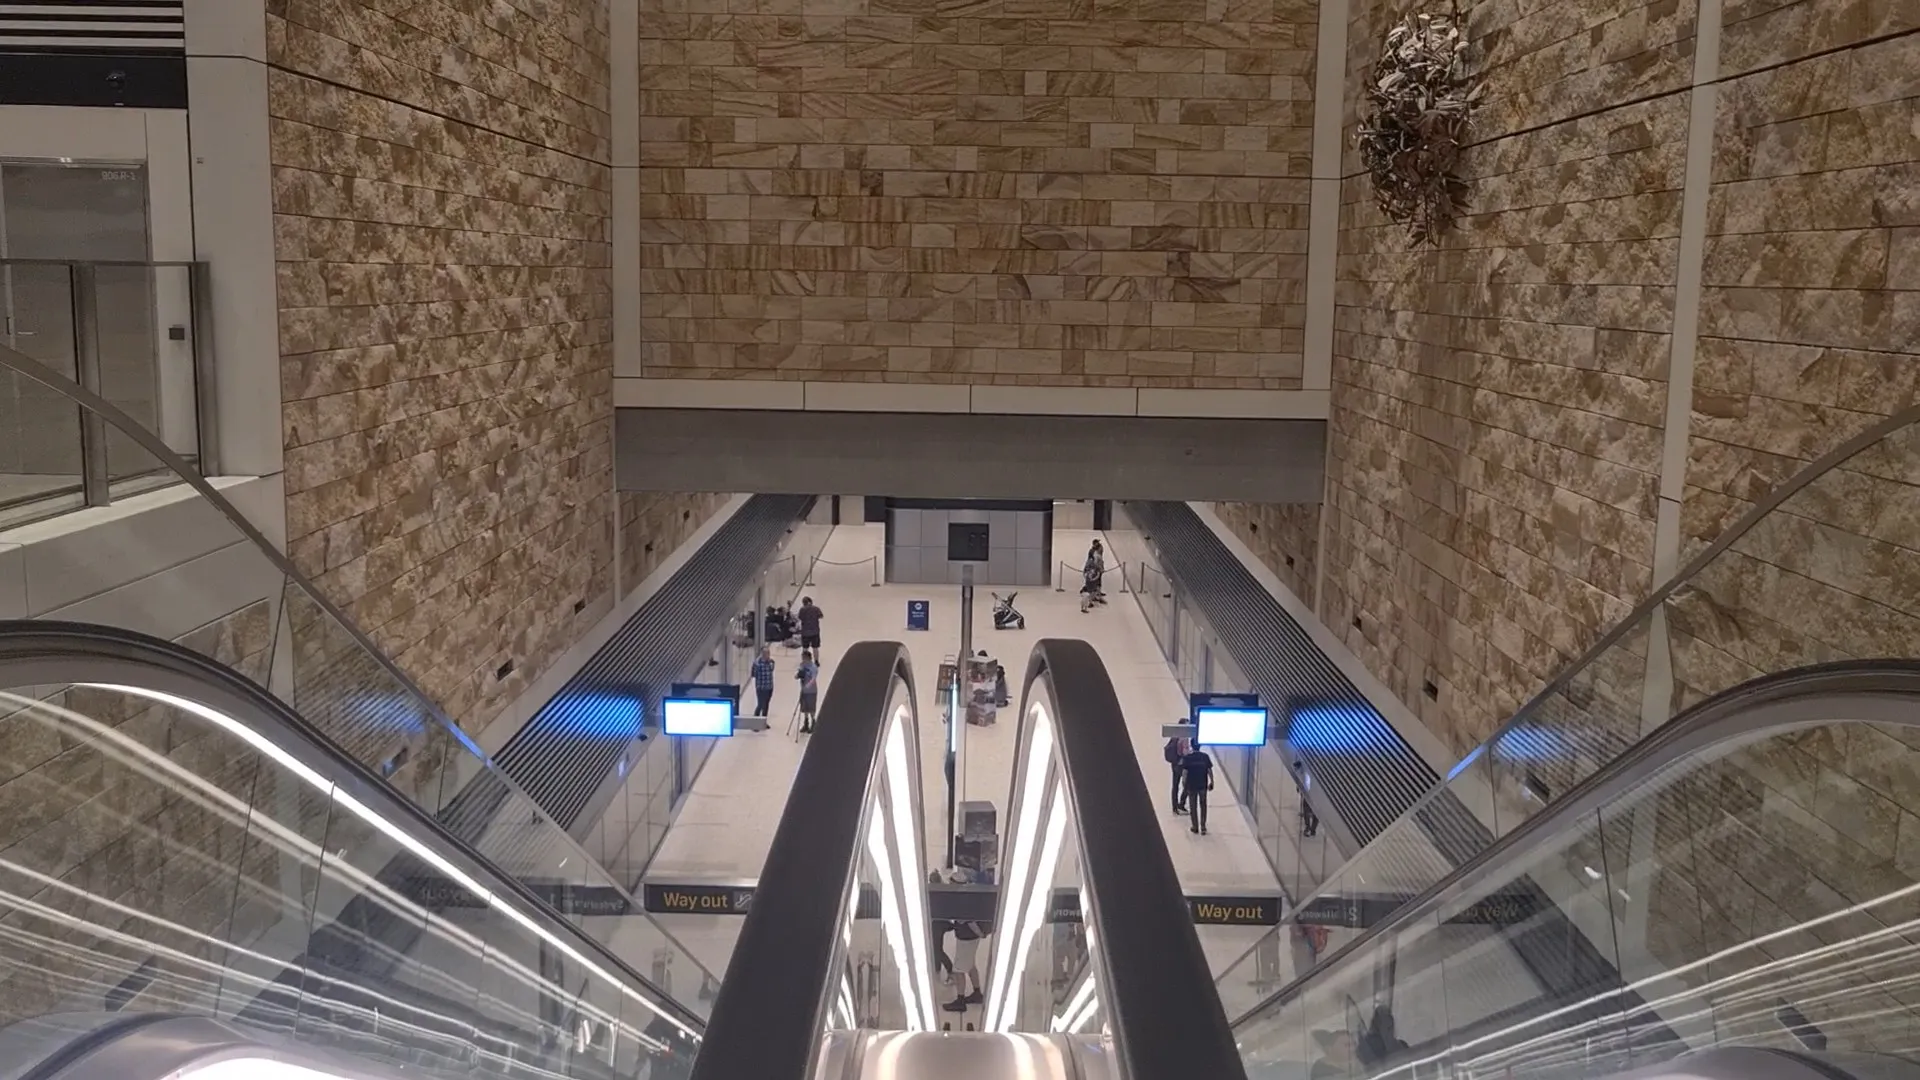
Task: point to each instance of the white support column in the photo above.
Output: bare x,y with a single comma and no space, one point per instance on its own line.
1657,695
1323,211
624,83
233,230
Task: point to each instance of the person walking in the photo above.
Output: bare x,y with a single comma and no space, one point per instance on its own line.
1176,749
809,616
809,676
762,684
1198,766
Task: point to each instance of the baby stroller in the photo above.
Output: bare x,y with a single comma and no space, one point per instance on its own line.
1005,615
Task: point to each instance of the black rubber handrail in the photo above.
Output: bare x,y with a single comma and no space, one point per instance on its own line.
1723,717
770,1015
57,652
1156,987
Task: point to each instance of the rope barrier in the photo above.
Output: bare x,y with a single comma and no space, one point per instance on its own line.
818,561
1060,577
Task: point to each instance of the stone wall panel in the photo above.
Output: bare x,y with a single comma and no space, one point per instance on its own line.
1025,192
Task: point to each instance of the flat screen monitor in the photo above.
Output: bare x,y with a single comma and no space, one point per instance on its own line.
697,716
1216,725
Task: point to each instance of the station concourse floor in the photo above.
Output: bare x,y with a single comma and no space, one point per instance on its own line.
726,823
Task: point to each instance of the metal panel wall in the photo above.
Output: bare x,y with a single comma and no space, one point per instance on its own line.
1019,543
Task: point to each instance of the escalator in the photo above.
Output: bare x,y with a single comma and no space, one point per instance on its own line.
834,972
1732,882
193,878
1699,835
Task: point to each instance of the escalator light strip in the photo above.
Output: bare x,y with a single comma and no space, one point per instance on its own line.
366,814
907,840
1020,860
883,866
1037,903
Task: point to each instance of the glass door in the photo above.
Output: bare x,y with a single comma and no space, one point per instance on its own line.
51,213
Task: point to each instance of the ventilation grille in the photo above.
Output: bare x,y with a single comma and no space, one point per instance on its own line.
93,26
563,756
1360,764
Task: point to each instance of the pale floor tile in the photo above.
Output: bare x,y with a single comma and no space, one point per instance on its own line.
726,825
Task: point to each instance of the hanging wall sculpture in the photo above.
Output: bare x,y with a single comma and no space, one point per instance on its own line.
1420,105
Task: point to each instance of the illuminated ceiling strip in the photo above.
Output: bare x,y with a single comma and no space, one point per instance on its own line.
399,836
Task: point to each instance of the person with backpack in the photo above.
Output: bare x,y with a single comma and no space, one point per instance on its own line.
809,676
809,617
1176,749
1198,767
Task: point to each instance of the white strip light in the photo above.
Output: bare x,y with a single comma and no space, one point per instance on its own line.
916,975
1036,914
890,922
1020,862
399,836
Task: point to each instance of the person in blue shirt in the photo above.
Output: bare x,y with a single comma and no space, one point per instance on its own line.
763,682
1198,766
809,676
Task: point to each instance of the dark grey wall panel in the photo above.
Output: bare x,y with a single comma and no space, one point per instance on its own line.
564,757
945,455
1360,764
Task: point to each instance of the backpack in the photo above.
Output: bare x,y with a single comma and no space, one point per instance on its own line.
1173,751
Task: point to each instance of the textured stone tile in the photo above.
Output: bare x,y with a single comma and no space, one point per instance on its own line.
979,156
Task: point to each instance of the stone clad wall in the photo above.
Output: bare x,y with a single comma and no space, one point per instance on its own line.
1047,192
1499,406
1284,536
442,195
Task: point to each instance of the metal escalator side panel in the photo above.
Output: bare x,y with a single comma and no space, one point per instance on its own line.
1154,983
778,1000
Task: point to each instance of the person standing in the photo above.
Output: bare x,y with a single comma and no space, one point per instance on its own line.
966,965
1176,749
809,624
809,676
762,683
1198,766
1091,574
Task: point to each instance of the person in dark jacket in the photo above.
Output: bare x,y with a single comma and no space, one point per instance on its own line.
1175,750
809,616
1198,766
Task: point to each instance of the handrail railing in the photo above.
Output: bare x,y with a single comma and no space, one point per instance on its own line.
1075,769
148,347
335,676
857,790
1687,641
110,661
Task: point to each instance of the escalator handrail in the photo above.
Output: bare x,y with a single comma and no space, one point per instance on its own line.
1723,717
1156,985
771,1011
41,643
21,364
1681,579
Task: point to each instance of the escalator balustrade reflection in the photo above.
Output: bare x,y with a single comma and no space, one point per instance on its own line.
187,865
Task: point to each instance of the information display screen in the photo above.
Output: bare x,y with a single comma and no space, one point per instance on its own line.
1224,726
697,716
